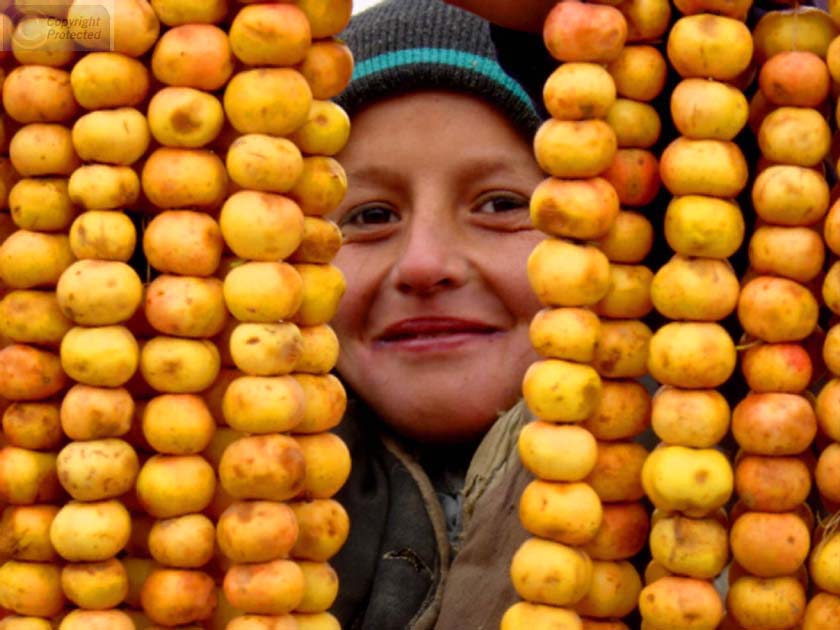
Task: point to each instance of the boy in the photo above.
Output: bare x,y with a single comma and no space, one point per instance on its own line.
434,324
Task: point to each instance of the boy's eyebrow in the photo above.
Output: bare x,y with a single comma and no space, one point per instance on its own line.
488,167
374,172
485,165
374,177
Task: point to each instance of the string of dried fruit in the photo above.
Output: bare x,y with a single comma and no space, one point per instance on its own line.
824,606
789,196
32,325
111,183
551,571
283,291
620,354
183,245
785,254
327,67
104,232
686,477
639,73
184,182
42,150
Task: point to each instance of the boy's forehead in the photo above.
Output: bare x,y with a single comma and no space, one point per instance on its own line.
449,136
433,110
466,123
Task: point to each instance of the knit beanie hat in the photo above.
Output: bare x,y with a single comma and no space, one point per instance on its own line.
408,45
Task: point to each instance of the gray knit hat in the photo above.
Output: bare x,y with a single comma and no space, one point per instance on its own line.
406,45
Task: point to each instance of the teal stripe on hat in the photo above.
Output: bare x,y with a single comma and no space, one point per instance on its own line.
444,56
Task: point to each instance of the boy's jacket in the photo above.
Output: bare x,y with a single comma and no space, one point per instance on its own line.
396,570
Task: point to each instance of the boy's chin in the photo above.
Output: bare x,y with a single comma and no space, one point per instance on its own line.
448,402
442,433
448,424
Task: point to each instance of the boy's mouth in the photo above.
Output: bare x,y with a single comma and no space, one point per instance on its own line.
433,328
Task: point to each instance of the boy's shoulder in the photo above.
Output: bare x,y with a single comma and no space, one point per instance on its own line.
478,589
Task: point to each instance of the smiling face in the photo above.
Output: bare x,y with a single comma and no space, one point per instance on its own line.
434,323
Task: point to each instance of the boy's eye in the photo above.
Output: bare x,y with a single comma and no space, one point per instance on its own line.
502,203
370,222
369,215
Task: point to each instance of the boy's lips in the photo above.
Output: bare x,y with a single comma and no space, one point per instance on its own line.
427,330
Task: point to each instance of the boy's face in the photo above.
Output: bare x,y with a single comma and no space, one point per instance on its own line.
434,323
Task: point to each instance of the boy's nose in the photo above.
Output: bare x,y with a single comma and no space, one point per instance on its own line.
430,259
